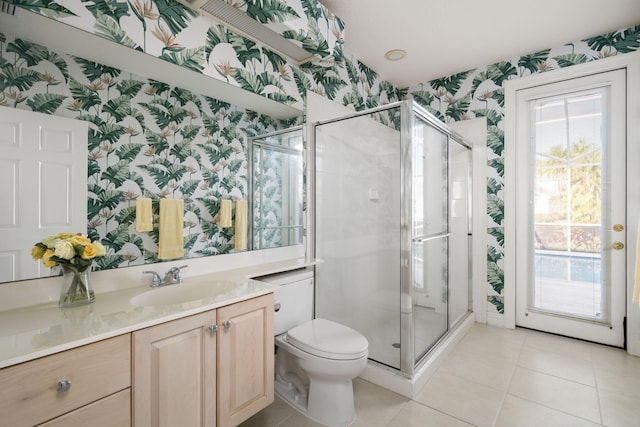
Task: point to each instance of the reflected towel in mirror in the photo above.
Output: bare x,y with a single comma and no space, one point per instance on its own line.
241,226
225,213
144,214
171,227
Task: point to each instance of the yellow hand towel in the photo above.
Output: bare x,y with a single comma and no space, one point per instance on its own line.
636,284
144,214
241,226
171,226
224,216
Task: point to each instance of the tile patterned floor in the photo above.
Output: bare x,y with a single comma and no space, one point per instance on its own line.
503,378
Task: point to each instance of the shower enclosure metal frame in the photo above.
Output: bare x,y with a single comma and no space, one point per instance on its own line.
409,111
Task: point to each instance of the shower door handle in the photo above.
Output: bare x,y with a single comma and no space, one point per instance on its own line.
422,239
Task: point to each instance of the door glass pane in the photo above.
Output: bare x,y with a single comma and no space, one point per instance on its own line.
459,226
429,181
430,217
430,302
567,207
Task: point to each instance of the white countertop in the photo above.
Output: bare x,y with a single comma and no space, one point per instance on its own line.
30,332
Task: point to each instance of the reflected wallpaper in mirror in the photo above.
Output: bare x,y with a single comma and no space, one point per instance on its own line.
276,188
146,139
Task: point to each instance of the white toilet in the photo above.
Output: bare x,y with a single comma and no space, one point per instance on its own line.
316,359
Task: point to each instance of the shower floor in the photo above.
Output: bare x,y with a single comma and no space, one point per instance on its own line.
383,333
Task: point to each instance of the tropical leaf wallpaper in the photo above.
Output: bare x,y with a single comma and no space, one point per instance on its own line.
146,138
170,31
479,93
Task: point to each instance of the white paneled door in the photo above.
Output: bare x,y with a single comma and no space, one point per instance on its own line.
43,171
571,207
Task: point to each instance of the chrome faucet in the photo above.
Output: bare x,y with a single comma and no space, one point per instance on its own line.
172,277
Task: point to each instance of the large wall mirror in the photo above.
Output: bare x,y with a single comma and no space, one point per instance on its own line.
276,188
145,139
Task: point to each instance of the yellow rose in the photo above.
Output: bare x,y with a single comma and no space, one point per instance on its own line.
37,252
100,250
65,236
50,241
46,259
89,252
79,239
64,249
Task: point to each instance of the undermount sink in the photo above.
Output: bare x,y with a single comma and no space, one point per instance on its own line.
184,292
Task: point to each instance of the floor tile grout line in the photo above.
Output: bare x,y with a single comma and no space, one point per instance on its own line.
558,377
506,393
402,407
549,407
444,413
555,409
517,365
595,380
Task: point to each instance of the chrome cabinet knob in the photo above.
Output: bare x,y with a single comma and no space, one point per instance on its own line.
63,385
213,328
226,324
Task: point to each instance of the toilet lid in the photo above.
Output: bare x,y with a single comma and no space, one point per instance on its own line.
328,339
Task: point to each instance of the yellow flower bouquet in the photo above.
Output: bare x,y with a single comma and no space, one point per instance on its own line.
74,253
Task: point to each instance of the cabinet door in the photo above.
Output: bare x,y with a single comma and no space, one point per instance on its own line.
174,381
245,359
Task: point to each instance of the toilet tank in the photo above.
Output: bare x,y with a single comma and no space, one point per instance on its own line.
293,298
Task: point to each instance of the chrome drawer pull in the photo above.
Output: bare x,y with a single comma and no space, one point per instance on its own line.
226,324
63,385
213,328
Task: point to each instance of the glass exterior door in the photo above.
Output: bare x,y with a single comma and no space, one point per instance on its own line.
572,205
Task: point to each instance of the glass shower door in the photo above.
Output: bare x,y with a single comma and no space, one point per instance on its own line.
430,236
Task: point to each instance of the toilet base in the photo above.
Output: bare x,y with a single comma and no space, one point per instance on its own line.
337,395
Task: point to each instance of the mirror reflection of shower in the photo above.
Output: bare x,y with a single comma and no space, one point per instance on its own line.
393,230
276,170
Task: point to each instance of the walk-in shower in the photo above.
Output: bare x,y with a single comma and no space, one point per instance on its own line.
392,229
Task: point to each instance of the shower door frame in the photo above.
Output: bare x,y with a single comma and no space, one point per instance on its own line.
409,110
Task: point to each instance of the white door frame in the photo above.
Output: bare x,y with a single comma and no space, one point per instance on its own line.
631,62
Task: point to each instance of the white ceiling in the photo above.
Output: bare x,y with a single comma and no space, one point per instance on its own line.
444,37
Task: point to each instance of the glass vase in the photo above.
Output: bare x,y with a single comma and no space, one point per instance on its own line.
76,287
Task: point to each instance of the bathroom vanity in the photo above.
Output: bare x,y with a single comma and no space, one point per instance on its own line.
205,362
217,362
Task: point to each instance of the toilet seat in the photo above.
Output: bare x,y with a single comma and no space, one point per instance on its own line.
324,338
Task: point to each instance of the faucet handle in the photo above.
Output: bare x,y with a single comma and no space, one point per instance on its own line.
156,280
178,272
174,275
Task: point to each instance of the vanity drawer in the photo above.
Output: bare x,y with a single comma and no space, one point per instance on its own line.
28,392
112,411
